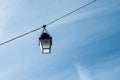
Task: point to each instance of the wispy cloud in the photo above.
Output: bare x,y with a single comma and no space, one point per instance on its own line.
80,15
8,72
4,12
2,17
83,73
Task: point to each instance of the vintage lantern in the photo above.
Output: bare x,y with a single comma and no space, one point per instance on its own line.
45,41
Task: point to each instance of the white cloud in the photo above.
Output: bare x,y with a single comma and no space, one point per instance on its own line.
2,16
9,71
79,15
83,73
4,13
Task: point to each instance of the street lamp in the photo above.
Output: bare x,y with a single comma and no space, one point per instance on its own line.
45,41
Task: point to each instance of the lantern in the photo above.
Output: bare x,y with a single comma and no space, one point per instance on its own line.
45,42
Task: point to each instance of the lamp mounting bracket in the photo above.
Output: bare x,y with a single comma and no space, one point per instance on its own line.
44,29
44,26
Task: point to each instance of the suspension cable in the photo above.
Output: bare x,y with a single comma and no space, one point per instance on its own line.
20,36
46,24
71,12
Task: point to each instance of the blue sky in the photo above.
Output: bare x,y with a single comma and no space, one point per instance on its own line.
86,44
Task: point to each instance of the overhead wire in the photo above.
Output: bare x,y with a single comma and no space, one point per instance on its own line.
47,24
20,36
71,12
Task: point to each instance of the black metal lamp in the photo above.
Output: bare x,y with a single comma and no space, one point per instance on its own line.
45,41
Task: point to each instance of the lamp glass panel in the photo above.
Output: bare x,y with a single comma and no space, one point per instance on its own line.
45,43
46,50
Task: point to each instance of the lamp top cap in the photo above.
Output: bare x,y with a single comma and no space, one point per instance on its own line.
45,35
